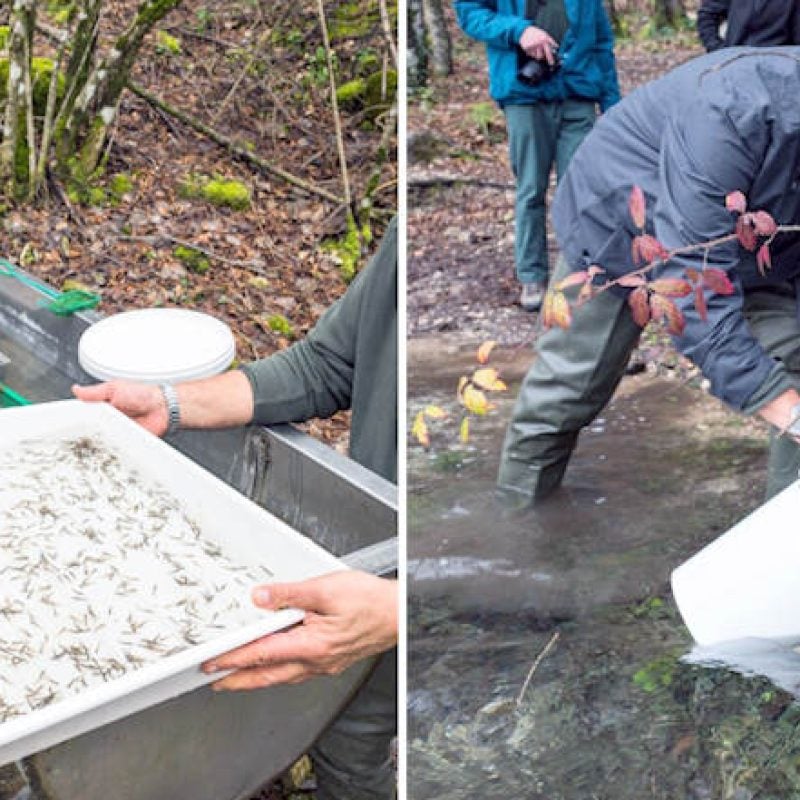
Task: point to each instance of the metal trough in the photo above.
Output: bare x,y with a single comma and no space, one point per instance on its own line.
202,745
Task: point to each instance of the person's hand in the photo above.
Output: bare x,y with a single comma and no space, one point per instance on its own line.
538,44
142,402
349,616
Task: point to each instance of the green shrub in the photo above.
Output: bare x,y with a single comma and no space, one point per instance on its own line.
279,324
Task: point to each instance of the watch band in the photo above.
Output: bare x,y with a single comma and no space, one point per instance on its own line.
173,408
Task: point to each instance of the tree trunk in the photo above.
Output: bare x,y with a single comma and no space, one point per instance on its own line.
15,150
438,37
85,129
669,13
417,49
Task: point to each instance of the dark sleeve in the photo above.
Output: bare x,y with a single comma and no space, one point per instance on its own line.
605,43
314,377
702,160
795,31
479,20
710,16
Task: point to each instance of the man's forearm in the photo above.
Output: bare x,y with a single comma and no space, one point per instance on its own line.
224,401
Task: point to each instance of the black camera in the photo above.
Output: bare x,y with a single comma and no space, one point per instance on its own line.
532,71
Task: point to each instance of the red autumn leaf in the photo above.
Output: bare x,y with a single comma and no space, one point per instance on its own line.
573,280
671,287
651,249
745,232
700,303
640,307
717,281
736,202
763,259
560,309
663,308
692,274
637,207
763,223
631,281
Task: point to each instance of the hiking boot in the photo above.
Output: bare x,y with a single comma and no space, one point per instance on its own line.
532,295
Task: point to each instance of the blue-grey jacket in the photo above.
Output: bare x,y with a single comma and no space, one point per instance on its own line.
588,69
725,121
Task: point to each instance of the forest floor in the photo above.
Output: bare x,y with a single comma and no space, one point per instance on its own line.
461,281
258,75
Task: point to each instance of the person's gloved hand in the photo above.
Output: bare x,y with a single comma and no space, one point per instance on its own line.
142,402
538,44
349,616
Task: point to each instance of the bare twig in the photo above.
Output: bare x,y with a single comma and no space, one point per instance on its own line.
238,150
252,266
387,31
337,120
535,666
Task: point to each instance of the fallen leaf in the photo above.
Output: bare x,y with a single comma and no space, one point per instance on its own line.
488,379
463,432
435,412
419,430
475,400
484,351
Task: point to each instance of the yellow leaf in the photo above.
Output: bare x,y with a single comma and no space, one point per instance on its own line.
484,351
488,379
435,412
475,400
419,430
464,432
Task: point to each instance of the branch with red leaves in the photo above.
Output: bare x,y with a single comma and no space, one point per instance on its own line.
652,299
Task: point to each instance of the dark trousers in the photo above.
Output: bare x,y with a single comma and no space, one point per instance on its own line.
352,759
539,136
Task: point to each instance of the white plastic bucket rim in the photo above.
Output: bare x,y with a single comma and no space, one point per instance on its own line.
156,345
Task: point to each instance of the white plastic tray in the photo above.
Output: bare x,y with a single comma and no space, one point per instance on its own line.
243,528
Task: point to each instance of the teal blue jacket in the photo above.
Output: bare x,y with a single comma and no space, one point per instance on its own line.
588,68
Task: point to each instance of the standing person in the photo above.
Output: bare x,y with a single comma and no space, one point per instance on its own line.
724,122
758,23
549,113
348,360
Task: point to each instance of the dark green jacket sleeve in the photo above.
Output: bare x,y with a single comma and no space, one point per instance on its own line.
348,360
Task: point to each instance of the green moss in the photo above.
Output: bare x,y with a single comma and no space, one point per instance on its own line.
192,259
352,21
4,34
217,191
658,674
41,71
351,94
167,44
120,185
279,324
346,249
376,101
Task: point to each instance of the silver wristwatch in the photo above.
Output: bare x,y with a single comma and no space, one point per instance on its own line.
173,408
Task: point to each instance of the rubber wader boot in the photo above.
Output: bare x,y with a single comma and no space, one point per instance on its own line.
573,376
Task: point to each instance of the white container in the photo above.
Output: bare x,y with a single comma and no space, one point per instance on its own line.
157,345
746,583
238,525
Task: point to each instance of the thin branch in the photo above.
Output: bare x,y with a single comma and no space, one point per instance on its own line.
387,31
233,147
337,120
166,237
549,646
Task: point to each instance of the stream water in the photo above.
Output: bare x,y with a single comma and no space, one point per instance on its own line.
546,655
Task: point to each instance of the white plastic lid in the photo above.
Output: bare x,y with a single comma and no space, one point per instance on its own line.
157,345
